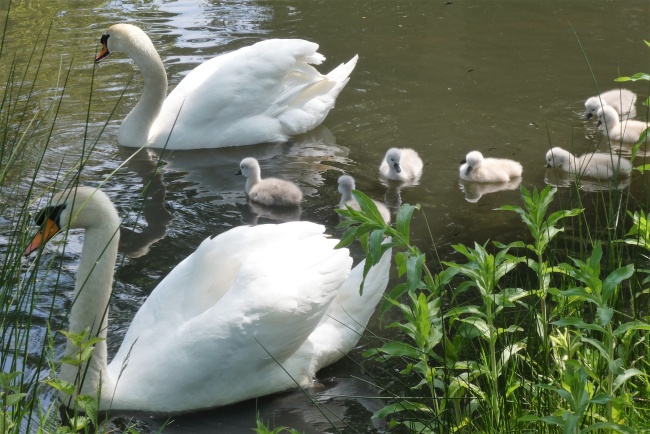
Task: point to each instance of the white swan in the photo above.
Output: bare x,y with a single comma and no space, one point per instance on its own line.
401,164
617,131
266,92
475,168
268,191
346,185
622,100
226,323
594,165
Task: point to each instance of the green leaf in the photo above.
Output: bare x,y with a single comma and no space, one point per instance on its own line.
614,280
88,404
399,407
414,271
577,322
14,398
632,325
626,375
400,349
604,426
403,221
636,77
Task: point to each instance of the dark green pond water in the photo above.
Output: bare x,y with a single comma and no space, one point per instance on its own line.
506,77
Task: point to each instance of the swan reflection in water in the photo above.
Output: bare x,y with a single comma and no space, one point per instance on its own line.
475,190
211,175
556,177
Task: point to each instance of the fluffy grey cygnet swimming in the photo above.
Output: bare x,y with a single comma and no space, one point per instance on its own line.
622,100
627,131
269,191
475,168
401,164
595,165
346,185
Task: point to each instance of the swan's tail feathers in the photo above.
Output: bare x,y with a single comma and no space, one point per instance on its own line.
354,309
343,71
347,317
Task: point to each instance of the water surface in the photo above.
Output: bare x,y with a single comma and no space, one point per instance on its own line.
504,77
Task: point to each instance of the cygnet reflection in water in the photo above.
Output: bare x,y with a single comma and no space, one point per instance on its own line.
475,190
252,212
393,195
556,177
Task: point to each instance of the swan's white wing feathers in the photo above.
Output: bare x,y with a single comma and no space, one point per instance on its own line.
264,92
199,281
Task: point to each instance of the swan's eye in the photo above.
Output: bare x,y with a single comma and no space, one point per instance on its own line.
51,212
104,39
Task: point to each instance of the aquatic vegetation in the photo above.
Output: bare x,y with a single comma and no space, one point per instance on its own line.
491,341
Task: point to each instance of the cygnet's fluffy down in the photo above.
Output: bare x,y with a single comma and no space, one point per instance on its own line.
401,164
622,100
269,191
346,185
627,131
475,168
596,165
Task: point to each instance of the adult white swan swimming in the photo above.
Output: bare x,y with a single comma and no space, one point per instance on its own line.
266,92
226,323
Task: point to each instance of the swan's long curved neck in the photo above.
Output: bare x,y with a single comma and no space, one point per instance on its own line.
136,126
90,310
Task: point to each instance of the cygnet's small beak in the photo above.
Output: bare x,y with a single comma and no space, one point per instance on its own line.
397,168
548,165
590,115
599,123
238,172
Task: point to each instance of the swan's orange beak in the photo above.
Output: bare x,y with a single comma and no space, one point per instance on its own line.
50,228
103,53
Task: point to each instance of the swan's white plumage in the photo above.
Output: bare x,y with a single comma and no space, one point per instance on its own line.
622,100
217,328
401,164
346,185
475,168
627,131
268,191
594,165
266,92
